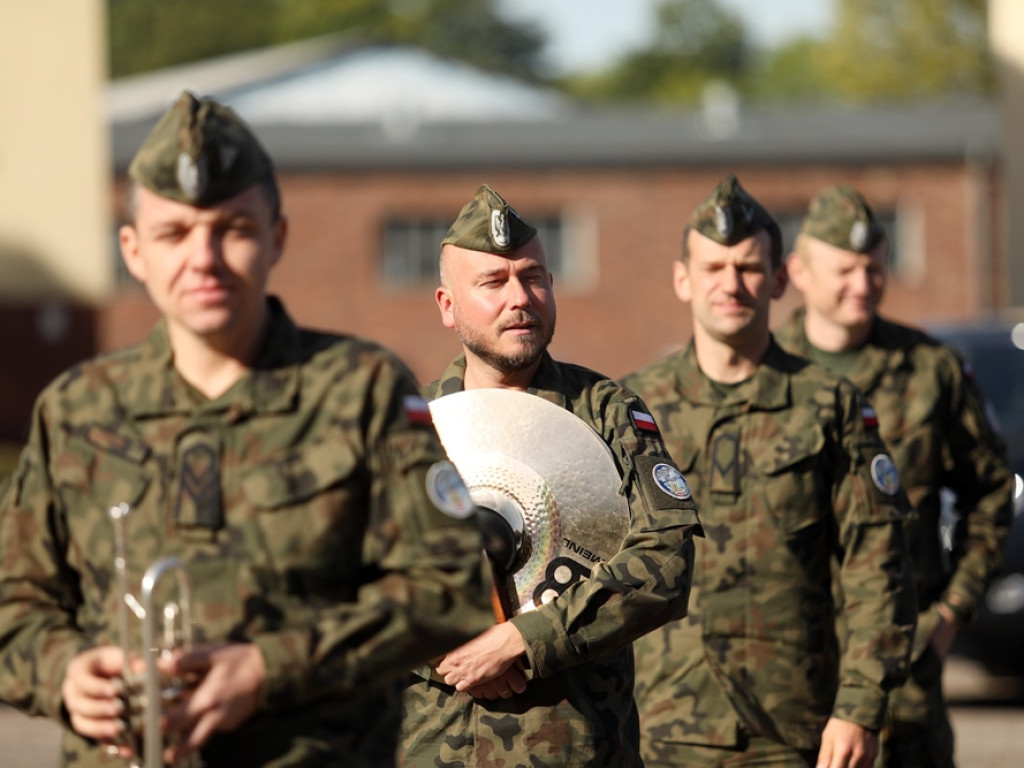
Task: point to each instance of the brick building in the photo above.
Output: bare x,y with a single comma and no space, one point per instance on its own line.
369,192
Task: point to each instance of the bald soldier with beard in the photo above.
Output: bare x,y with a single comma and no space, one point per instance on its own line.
551,687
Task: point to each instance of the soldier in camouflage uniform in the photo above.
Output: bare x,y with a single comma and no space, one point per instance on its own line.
932,417
795,489
291,471
552,686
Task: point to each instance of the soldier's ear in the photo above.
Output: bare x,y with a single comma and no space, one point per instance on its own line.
797,268
278,238
781,278
681,281
443,297
128,239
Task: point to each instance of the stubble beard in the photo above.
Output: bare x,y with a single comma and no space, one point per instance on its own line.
529,349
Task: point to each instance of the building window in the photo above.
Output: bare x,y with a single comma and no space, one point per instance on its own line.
411,247
410,253
790,223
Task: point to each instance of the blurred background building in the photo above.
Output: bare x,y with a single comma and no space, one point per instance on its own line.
380,139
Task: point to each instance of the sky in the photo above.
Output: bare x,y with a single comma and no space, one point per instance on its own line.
589,34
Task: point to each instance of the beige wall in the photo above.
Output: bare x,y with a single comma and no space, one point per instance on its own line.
1006,34
54,155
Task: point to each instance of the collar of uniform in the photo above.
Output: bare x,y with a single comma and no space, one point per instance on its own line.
884,337
771,390
793,333
547,381
878,354
156,389
276,374
768,390
875,357
452,380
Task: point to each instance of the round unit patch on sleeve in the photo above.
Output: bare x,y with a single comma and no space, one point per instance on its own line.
671,481
446,489
884,474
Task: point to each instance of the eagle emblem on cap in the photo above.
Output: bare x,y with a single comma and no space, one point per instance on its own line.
191,176
723,221
859,235
499,228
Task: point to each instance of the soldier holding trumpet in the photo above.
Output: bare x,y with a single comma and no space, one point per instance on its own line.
296,475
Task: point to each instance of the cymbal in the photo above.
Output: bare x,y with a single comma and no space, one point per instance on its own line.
544,471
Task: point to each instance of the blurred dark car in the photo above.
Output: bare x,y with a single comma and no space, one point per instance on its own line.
994,350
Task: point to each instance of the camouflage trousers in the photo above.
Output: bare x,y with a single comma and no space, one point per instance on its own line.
750,751
917,731
542,728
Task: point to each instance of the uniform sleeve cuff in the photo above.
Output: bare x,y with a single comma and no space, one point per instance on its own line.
286,663
864,707
962,611
548,649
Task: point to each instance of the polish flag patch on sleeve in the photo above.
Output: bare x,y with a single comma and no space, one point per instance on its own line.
417,410
867,413
644,422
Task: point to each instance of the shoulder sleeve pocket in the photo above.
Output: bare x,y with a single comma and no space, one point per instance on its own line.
665,494
884,499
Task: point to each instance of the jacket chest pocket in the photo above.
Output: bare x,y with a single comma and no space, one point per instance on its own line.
789,478
88,482
311,506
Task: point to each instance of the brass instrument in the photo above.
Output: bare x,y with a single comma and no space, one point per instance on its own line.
149,693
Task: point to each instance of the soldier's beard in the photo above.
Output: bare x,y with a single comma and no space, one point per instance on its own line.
529,348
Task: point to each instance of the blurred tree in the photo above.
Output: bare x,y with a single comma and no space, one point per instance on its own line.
149,34
144,34
878,50
884,50
793,71
697,42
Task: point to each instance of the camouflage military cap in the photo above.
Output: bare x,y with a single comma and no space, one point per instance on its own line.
840,216
488,224
730,214
200,152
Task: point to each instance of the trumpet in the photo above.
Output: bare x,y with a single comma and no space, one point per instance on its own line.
149,692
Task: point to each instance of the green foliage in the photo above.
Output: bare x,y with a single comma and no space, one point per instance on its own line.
697,42
878,50
792,72
149,34
885,50
471,31
145,34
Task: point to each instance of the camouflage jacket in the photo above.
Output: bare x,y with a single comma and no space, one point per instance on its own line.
297,501
578,708
932,417
794,485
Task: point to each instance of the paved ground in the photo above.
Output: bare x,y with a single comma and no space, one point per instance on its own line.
987,713
988,716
